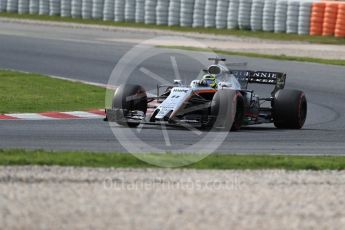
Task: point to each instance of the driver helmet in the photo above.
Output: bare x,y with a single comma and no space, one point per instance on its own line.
210,80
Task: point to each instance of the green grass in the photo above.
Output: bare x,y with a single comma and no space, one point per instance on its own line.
241,33
266,56
122,160
26,92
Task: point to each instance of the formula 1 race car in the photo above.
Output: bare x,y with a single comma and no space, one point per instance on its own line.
221,99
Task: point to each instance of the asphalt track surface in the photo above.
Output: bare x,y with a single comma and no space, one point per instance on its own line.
91,55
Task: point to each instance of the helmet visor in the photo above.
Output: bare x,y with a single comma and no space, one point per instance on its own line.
210,82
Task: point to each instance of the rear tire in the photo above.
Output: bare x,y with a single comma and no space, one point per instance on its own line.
289,109
129,98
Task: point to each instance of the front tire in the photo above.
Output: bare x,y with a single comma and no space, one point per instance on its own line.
289,109
128,98
238,120
223,109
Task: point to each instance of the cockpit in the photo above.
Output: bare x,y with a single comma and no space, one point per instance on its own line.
217,76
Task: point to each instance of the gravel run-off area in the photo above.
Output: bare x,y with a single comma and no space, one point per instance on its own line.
84,198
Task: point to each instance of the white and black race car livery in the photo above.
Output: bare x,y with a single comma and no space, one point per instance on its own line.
221,99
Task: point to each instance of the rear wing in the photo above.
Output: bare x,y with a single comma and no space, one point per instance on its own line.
246,77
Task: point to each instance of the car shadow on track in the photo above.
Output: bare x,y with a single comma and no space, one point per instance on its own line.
256,128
